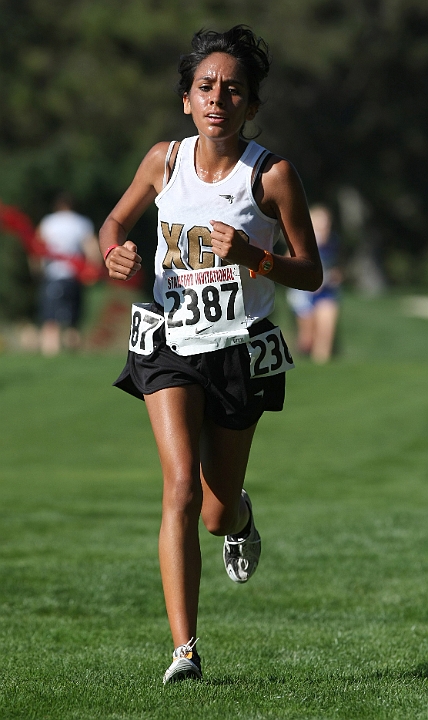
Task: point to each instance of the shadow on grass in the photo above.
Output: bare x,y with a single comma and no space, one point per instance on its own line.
223,681
228,680
420,671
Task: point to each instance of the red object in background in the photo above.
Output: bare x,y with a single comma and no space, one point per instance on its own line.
19,224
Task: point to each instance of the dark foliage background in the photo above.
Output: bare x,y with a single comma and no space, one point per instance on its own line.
88,87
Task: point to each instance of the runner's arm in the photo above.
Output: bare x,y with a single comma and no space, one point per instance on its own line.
123,261
281,196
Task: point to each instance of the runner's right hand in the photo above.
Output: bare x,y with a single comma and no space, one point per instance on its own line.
123,261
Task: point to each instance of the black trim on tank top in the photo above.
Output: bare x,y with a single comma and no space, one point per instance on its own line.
258,176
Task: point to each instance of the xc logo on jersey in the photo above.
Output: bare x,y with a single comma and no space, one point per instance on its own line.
198,240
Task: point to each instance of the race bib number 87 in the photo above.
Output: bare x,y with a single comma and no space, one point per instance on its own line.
144,322
204,310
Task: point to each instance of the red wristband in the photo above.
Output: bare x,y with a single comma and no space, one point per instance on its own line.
108,251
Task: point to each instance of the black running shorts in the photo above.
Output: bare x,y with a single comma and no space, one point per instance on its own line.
233,399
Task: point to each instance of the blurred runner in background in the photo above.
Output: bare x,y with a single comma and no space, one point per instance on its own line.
317,312
64,233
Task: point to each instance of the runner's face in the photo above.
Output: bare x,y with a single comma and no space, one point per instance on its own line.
218,99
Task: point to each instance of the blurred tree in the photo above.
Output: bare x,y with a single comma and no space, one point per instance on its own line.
17,291
87,88
360,119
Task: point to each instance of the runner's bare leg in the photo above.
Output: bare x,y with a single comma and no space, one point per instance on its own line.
176,415
325,321
224,458
50,338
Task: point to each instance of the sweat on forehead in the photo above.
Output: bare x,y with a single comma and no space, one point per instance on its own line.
221,65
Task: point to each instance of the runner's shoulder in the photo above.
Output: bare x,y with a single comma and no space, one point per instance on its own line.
279,177
156,155
278,168
152,167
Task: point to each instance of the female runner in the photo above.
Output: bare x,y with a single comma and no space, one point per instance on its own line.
204,356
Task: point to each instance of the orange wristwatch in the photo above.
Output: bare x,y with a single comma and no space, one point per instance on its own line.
265,265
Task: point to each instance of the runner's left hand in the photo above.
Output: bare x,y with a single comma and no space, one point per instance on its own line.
229,244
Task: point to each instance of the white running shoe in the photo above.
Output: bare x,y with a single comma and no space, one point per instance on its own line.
241,554
186,663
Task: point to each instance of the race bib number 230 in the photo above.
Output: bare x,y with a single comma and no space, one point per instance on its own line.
269,354
204,309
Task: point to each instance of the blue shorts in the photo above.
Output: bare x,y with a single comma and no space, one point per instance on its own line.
303,302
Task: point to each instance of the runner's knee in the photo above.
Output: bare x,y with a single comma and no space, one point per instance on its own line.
220,521
182,493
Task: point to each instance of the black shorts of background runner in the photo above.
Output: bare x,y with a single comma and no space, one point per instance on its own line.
233,399
61,301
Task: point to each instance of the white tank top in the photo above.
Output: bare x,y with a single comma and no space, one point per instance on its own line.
187,204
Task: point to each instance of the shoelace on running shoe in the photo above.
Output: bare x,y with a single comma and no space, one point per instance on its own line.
234,549
184,650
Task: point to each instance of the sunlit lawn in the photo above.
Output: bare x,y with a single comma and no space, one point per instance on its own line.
335,622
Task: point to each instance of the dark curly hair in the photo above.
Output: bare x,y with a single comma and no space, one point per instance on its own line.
240,42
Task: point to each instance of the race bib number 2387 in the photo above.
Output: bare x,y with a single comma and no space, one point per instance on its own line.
204,309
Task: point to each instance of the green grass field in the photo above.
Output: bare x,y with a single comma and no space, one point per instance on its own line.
334,625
